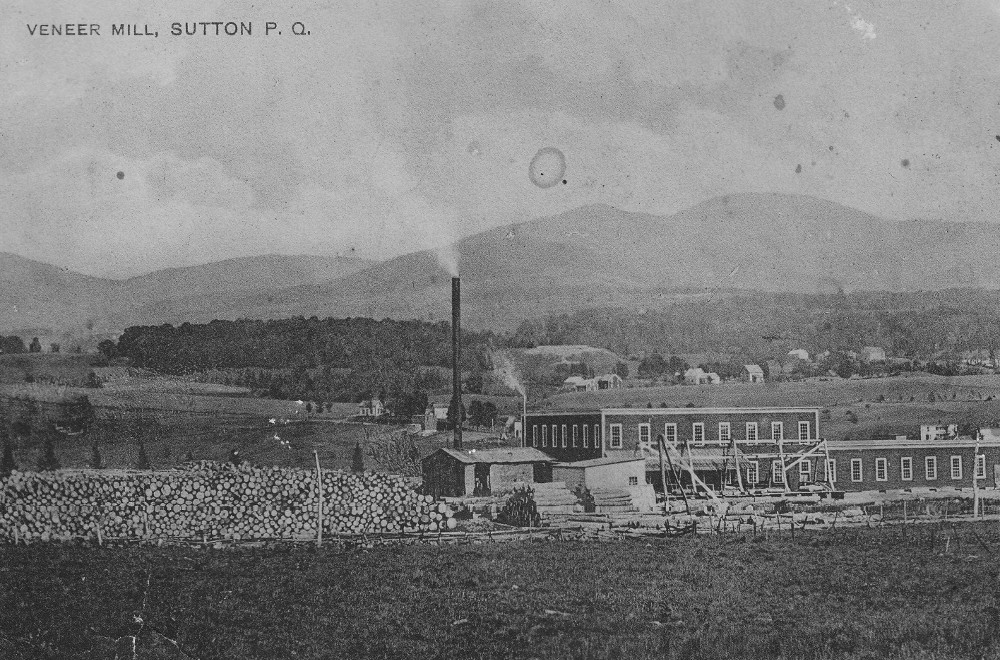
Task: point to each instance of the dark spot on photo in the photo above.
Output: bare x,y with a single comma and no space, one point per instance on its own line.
779,102
120,175
798,168
905,162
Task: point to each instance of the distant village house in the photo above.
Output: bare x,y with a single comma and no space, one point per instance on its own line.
752,373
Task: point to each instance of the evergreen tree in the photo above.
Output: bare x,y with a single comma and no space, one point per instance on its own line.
48,460
7,463
95,457
358,461
141,457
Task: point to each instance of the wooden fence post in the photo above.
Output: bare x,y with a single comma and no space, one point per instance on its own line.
319,492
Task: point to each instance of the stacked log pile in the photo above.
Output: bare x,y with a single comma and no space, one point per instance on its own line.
211,501
612,500
554,497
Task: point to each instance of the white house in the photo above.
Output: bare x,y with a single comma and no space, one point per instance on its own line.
872,354
372,407
698,376
609,382
579,384
753,373
799,353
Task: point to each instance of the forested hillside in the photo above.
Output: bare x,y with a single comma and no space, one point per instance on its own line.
319,360
922,324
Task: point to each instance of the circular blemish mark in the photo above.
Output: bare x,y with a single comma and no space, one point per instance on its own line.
905,162
564,182
798,168
474,148
547,167
779,101
120,175
830,147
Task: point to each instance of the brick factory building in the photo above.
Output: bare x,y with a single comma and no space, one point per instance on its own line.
763,450
932,462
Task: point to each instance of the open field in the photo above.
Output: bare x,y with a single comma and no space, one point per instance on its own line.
842,594
62,367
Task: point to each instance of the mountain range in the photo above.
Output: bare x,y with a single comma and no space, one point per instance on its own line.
590,256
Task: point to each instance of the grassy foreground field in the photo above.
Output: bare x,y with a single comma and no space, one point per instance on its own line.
841,594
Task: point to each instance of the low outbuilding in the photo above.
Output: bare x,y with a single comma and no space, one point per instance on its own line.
457,472
610,472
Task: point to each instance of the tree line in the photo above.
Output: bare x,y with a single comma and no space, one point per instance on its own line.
761,325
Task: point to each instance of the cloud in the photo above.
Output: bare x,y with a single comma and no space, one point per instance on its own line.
389,131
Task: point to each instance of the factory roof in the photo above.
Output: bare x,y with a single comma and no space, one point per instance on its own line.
903,442
607,460
508,455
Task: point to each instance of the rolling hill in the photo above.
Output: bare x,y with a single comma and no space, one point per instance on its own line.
590,256
603,256
40,299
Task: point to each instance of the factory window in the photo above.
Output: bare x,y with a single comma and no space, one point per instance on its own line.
805,471
906,468
576,436
956,467
555,435
777,431
930,468
616,436
980,466
633,481
564,436
597,436
725,433
777,472
698,433
534,435
857,473
586,437
545,436
831,470
751,431
881,469
644,434
804,431
753,472
670,434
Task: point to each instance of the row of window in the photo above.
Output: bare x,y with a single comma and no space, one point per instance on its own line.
572,435
569,434
857,469
698,436
906,468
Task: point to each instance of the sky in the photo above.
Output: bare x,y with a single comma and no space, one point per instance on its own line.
394,127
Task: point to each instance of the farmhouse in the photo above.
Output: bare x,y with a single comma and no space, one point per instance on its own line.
435,416
579,384
752,373
872,354
372,408
456,473
698,376
799,354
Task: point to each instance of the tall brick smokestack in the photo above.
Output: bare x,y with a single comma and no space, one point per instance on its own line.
456,358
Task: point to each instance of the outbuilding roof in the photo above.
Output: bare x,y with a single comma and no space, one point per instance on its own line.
508,455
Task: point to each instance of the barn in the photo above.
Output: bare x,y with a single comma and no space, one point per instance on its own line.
457,473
